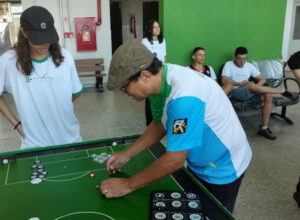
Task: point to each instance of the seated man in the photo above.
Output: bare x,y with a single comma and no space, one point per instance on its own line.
199,58
238,72
294,64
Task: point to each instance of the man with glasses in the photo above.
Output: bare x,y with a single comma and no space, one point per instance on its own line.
238,72
193,112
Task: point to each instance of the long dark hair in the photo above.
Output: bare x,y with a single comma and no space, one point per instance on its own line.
149,32
24,62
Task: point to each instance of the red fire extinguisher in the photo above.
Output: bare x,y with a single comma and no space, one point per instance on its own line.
132,26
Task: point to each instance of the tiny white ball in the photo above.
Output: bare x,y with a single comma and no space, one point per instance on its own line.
114,144
5,161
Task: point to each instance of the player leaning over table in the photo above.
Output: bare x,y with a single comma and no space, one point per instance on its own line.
195,114
43,81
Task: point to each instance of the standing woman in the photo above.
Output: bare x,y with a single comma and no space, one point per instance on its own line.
155,42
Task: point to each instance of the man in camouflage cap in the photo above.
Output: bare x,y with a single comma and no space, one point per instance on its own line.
193,112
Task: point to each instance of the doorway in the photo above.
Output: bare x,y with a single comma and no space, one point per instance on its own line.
291,36
116,25
294,44
150,11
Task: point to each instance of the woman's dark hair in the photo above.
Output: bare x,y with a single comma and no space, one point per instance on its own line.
24,62
197,48
153,69
149,32
240,50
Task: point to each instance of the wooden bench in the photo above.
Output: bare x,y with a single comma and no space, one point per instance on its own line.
91,68
274,73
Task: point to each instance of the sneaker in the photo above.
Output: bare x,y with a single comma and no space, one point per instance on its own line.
266,133
291,95
298,186
297,198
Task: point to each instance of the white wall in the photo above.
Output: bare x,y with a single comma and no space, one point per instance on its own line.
290,45
86,8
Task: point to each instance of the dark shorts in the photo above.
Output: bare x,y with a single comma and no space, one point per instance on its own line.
294,61
225,193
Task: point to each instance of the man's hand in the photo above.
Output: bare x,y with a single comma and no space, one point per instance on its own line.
243,83
117,160
115,187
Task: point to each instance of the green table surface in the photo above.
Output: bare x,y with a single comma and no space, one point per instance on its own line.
68,193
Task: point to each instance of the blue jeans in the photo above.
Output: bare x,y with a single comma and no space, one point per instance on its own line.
243,94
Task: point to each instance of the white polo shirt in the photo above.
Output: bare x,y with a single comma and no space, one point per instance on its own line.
43,99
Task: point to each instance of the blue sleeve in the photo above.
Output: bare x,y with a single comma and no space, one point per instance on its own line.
185,123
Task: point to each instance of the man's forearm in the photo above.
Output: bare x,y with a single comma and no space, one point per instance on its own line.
165,165
261,82
154,133
226,80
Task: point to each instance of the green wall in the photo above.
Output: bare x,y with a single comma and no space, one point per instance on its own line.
220,26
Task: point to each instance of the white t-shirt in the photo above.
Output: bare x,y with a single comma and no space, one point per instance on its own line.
43,99
239,74
158,49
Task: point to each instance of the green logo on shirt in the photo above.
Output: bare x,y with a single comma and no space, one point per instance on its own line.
28,79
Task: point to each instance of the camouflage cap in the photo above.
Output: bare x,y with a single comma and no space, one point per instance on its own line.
129,59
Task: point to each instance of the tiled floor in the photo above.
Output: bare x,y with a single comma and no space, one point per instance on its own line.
266,192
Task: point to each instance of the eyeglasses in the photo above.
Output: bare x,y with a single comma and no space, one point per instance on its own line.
132,78
123,88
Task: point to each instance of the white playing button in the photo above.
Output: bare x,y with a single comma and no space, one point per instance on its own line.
176,204
36,181
160,215
177,216
159,195
34,218
191,195
175,195
195,217
193,205
160,204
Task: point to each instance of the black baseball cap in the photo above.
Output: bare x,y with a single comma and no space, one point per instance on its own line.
38,25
